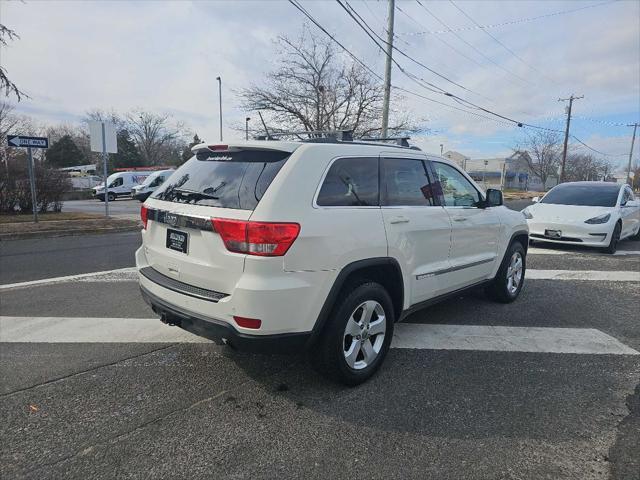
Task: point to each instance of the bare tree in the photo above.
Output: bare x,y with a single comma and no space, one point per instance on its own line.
541,152
312,88
159,140
580,166
6,34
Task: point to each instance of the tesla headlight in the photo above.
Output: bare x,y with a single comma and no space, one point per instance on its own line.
599,219
527,213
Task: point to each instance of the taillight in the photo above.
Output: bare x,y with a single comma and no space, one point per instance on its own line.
265,239
248,322
144,215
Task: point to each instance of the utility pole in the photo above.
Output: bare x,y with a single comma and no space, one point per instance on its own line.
633,139
566,133
387,70
246,128
220,103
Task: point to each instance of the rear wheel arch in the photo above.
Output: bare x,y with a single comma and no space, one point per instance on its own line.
382,270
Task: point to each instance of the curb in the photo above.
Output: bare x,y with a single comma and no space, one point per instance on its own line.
67,233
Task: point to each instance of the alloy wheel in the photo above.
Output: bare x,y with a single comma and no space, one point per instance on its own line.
364,335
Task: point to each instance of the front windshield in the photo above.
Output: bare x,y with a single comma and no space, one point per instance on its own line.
583,195
151,178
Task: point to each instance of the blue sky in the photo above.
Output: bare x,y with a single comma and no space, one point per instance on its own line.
165,56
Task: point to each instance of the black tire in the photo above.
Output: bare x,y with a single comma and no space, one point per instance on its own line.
500,289
328,354
615,238
111,197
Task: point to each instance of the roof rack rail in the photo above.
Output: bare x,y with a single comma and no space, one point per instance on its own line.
402,141
338,136
312,135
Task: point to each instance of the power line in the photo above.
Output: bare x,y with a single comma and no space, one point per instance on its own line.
511,22
479,52
597,151
500,43
462,54
456,98
367,29
366,67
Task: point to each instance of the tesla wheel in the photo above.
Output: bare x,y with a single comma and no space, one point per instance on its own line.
615,238
111,197
508,282
356,338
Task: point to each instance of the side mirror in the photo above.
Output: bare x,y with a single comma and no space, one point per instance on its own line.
494,198
535,199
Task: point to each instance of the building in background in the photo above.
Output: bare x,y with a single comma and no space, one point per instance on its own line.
508,173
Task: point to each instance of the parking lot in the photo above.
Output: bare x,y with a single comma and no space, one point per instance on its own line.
94,385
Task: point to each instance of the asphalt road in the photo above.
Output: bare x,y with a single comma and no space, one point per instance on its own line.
197,410
33,259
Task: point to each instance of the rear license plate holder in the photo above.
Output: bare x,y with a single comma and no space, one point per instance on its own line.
177,240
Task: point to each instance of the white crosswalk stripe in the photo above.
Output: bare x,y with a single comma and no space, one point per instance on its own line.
549,251
589,275
407,336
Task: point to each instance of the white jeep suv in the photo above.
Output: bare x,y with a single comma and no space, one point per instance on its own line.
322,246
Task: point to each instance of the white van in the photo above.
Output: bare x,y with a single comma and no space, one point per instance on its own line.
151,183
120,184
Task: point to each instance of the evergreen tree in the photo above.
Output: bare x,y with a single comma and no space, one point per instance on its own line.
64,153
128,154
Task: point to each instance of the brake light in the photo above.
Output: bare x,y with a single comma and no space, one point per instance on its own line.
144,215
248,322
218,148
265,239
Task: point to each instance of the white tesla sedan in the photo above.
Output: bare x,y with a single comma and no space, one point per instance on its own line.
591,214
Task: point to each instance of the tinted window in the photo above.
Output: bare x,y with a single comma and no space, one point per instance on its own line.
457,191
586,195
405,182
223,179
117,182
350,182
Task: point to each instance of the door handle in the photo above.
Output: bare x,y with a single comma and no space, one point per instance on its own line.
399,220
460,219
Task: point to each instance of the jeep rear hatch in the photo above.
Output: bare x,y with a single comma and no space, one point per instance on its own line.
197,223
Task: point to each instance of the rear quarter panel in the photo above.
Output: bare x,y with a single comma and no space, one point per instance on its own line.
330,237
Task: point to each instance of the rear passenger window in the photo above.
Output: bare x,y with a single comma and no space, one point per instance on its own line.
405,182
350,182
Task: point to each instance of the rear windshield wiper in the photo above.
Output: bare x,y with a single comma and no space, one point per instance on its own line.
194,194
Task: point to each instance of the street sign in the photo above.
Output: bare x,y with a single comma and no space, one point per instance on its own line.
29,142
103,139
32,142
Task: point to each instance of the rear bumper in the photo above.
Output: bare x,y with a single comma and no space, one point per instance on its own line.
224,333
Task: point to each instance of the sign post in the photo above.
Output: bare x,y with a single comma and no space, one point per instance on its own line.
104,139
30,142
32,181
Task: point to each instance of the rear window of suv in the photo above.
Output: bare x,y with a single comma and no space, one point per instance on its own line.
235,179
350,182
